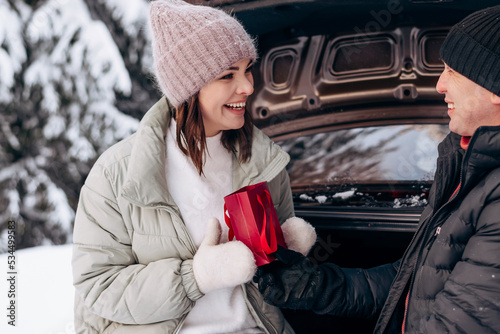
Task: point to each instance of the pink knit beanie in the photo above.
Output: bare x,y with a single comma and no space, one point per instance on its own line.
192,45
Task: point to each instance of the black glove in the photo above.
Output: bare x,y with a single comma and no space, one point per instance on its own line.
291,282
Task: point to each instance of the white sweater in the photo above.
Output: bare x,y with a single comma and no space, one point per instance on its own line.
199,198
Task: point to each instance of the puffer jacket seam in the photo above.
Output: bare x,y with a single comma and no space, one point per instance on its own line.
99,246
460,307
99,194
110,163
486,302
374,309
128,310
112,182
155,235
113,201
109,176
90,326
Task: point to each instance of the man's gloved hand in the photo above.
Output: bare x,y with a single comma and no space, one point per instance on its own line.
218,266
291,282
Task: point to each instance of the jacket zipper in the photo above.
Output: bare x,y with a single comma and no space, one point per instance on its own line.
268,326
398,275
412,280
431,242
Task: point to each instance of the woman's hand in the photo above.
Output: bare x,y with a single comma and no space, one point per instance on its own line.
299,235
217,266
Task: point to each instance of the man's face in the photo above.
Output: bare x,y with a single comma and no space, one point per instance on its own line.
469,105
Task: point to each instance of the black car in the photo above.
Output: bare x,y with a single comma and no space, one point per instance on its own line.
347,88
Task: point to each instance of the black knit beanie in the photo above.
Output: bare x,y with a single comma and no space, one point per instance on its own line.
472,48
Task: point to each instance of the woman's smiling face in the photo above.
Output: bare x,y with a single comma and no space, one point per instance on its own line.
222,101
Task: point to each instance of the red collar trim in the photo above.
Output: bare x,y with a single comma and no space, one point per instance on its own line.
464,142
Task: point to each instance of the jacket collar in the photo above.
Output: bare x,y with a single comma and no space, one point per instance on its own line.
484,148
267,161
145,183
481,150
469,163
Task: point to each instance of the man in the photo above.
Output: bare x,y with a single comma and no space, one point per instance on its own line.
449,278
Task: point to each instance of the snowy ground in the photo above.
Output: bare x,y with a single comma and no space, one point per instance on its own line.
44,291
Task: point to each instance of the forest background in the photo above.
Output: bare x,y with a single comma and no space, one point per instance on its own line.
75,78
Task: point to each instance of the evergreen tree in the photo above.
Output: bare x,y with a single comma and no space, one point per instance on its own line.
74,79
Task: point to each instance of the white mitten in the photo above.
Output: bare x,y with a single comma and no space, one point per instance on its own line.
299,235
218,266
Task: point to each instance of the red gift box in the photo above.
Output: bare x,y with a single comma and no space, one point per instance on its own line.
250,215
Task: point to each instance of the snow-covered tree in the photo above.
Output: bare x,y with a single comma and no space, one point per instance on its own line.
74,79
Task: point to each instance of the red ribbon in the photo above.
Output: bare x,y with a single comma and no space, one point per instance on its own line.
268,247
268,219
230,233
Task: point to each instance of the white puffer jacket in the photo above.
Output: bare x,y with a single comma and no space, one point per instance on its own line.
132,260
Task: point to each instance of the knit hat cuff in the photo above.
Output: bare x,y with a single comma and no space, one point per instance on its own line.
204,64
192,45
480,64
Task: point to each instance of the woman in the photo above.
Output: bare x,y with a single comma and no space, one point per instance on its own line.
150,255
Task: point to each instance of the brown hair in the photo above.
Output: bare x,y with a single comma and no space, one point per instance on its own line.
191,137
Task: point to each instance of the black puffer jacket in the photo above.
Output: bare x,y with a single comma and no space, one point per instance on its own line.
451,268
